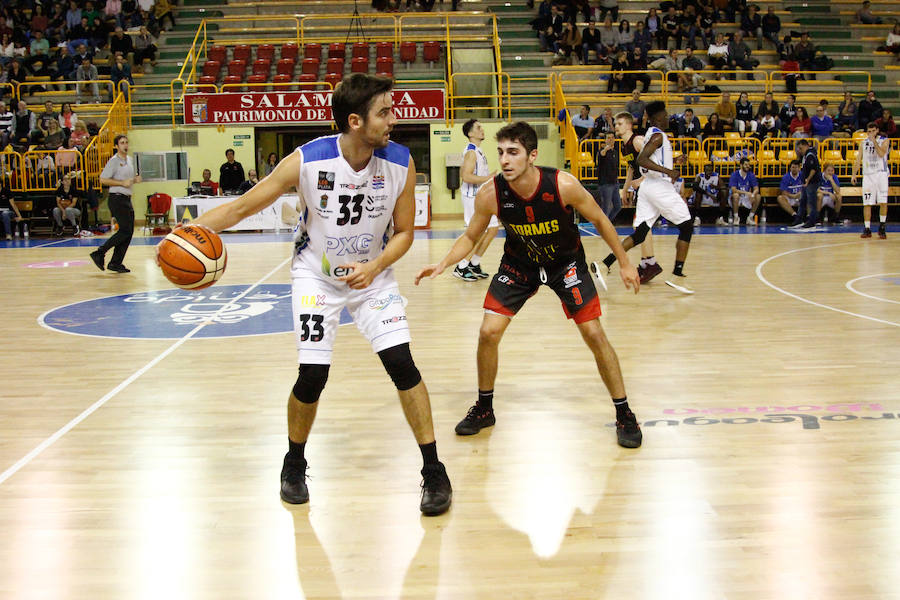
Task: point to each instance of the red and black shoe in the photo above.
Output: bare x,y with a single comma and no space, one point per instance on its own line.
867,233
650,271
882,234
628,432
476,419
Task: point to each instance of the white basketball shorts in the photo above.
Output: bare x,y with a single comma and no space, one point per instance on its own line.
468,203
658,197
875,189
377,310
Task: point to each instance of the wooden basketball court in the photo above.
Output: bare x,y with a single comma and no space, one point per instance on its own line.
149,468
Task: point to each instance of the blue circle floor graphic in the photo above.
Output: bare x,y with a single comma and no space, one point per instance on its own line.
171,314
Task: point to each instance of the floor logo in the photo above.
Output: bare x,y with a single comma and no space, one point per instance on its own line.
170,314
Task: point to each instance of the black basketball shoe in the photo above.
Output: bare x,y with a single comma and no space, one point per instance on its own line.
293,480
628,432
436,490
477,272
476,419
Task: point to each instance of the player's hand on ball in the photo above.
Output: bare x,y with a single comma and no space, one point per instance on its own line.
431,271
630,278
360,275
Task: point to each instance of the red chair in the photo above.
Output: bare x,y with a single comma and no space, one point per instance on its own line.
285,66
385,66
360,50
257,79
310,66
308,78
156,219
216,53
289,50
282,79
207,85
384,50
407,52
431,52
212,68
333,78
261,66
241,52
237,68
359,65
337,50
231,80
265,52
335,65
311,51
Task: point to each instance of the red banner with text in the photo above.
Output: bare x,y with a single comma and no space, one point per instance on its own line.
243,108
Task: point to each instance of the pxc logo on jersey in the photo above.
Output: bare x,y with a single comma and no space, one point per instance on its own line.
571,277
383,302
325,180
171,314
354,244
378,182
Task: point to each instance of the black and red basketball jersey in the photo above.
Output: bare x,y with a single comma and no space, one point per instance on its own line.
629,155
539,229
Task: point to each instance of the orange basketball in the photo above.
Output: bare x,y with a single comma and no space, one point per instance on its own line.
192,257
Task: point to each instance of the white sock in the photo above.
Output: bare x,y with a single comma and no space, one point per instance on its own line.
883,217
462,264
476,260
643,262
868,224
651,260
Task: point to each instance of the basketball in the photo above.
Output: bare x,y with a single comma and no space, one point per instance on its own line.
192,257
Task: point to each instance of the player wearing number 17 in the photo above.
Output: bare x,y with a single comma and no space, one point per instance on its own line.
352,186
543,247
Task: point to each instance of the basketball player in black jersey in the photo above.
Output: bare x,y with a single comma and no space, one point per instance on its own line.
543,247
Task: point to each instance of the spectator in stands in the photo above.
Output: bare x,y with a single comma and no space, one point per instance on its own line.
847,118
609,6
637,108
6,123
89,12
252,180
606,158
801,125
618,79
144,49
805,51
886,125
120,42
208,187
638,62
688,125
162,10
717,53
713,127
8,210
24,127
643,39
869,109
828,196
768,107
691,82
113,12
892,44
864,15
739,56
653,24
668,28
569,44
771,26
603,124
64,66
73,15
691,60
66,157
821,124
787,113
39,20
81,52
706,21
609,39
48,115
55,136
667,64
551,33
743,189
16,74
751,24
87,72
272,162
80,137
582,122
590,40
39,61
687,28
79,35
231,174
120,71
727,111
626,36
42,169
100,33
791,191
768,127
7,49
66,205
744,114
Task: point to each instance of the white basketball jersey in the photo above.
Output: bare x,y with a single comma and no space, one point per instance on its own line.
871,162
481,169
346,214
709,186
661,156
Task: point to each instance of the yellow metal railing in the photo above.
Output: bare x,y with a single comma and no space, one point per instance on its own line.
100,149
43,171
462,102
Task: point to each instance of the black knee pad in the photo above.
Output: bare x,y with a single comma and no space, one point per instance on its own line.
398,362
685,231
640,234
310,383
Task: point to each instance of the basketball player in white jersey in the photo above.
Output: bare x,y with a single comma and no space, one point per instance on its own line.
352,187
658,196
473,173
873,154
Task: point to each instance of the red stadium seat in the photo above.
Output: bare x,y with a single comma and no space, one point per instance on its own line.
231,80
431,51
385,66
265,52
237,68
312,51
257,79
207,85
216,53
212,68
335,65
285,66
308,78
310,66
360,50
289,50
241,52
261,66
407,52
359,65
333,78
337,50
384,50
282,79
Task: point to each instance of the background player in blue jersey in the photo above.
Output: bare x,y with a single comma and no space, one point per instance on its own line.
744,191
790,191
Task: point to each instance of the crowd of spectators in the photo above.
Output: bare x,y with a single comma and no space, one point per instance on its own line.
232,180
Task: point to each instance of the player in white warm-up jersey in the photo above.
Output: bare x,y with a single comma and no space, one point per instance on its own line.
873,154
357,216
474,173
658,195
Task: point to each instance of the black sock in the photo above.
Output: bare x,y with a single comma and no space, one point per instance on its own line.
486,399
609,260
679,265
621,405
429,453
296,449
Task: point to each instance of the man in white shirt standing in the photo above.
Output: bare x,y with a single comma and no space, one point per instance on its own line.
873,154
473,173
